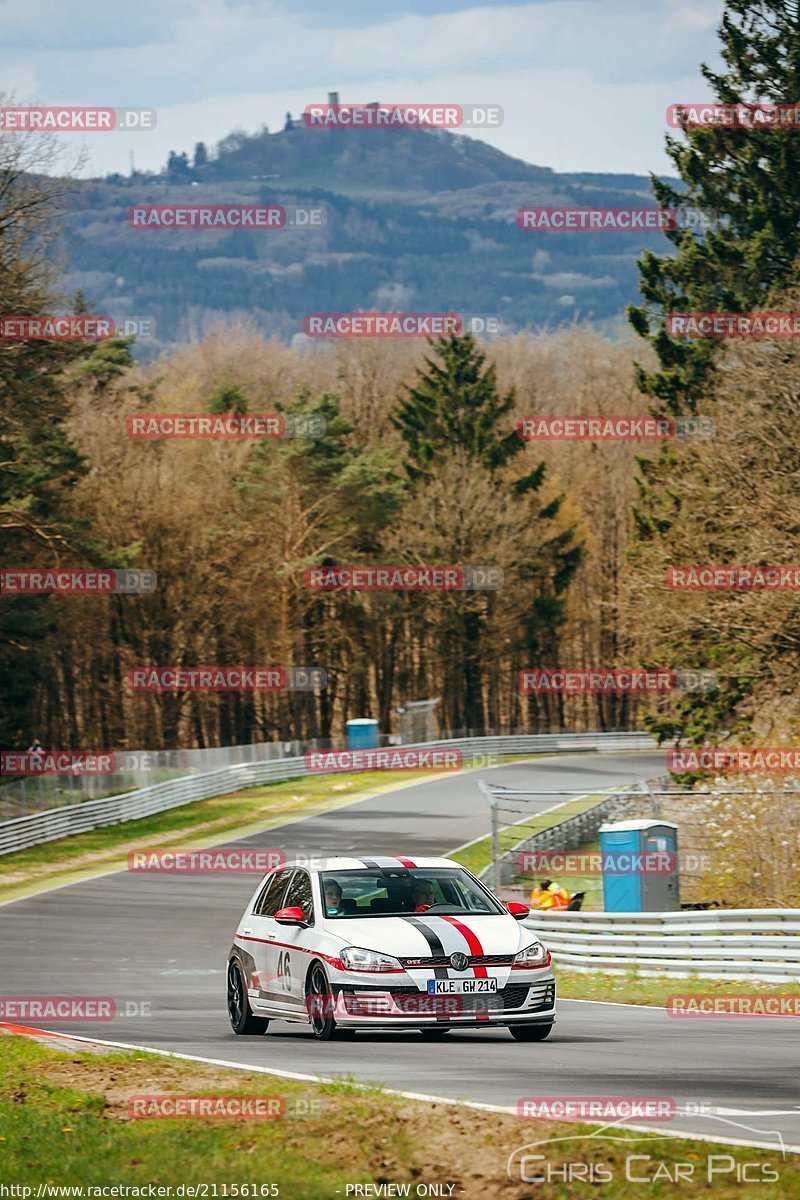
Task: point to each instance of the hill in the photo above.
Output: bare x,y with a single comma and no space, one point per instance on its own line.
416,220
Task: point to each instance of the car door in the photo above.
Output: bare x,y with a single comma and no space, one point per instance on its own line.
259,932
295,942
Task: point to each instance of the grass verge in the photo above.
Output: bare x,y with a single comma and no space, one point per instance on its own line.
632,988
65,1119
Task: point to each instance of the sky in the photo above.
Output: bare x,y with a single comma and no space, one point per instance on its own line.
584,84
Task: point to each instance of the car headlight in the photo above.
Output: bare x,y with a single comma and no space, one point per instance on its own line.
535,955
355,959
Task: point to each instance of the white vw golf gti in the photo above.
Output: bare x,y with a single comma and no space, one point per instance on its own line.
387,943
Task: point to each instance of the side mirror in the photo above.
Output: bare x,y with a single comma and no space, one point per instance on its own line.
518,911
290,916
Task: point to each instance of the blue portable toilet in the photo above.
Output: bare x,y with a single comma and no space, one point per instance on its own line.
362,734
640,866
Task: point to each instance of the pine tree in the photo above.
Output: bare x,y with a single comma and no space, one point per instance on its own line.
456,403
748,182
748,179
228,397
455,412
39,467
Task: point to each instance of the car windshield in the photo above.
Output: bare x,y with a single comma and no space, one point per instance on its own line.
399,892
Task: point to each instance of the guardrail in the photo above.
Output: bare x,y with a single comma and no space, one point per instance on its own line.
742,943
18,833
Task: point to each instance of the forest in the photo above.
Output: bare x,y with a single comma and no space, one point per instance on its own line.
409,453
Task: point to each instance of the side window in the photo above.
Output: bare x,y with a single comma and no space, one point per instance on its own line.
269,901
299,894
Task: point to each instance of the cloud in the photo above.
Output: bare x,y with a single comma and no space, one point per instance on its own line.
584,83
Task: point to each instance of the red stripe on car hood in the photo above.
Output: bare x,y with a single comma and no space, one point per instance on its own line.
472,940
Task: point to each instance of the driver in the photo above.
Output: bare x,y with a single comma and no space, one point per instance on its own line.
422,895
333,897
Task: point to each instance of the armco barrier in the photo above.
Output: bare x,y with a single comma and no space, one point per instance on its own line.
740,943
18,833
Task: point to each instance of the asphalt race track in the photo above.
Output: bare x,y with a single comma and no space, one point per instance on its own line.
164,938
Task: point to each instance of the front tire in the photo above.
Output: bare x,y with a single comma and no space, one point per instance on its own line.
239,1011
530,1033
319,1005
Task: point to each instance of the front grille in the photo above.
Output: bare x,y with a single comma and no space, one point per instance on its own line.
477,960
414,1003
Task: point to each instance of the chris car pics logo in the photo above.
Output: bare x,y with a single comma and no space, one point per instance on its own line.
649,1159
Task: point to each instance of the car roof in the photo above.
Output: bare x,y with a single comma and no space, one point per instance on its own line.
368,863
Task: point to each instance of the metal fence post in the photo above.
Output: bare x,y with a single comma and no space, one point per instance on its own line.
495,832
653,800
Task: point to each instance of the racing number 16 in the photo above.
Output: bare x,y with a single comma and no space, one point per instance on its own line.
284,971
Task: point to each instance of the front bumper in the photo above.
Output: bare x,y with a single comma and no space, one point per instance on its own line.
528,1002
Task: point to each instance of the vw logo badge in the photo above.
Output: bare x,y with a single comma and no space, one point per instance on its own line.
459,962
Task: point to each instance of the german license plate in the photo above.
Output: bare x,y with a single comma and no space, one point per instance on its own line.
448,987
